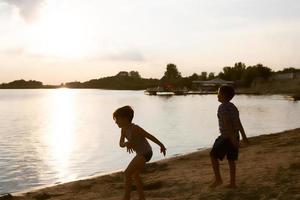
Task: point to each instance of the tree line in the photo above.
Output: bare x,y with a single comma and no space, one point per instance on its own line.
241,74
22,84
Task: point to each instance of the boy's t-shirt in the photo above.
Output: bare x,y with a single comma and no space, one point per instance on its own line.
229,109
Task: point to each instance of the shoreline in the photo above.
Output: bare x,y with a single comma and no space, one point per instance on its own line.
269,168
250,91
37,188
291,95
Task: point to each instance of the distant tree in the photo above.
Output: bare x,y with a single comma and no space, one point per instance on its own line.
203,76
172,72
253,72
116,83
22,84
194,77
289,70
238,70
211,75
188,81
123,73
233,73
263,71
226,74
134,74
75,84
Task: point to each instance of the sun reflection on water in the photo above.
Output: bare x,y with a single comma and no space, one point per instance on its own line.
60,134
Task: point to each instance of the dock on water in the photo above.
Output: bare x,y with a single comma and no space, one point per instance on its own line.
160,92
178,92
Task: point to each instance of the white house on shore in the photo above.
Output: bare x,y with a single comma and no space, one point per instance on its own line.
286,76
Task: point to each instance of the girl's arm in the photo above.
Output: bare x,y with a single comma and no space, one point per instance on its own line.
147,135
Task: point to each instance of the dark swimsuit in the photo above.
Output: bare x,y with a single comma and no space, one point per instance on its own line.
148,156
140,144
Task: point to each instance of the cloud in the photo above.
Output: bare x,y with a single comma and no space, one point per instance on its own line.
21,51
127,55
28,9
18,51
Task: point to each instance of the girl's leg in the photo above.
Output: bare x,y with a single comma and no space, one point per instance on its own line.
134,168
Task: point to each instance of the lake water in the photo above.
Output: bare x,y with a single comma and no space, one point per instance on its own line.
59,135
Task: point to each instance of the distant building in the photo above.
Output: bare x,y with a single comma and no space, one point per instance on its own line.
286,76
211,85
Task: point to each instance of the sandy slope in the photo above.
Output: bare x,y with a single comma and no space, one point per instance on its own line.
267,169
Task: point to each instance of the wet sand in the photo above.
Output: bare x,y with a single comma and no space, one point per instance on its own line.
269,168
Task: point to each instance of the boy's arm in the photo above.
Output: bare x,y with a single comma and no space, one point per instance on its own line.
230,130
122,142
245,139
147,135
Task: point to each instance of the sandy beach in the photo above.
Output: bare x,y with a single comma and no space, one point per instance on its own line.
269,168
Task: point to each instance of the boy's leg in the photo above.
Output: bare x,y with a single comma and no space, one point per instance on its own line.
232,168
127,183
216,167
139,184
232,156
134,167
218,152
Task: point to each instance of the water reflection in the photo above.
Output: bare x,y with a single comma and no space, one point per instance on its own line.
49,136
60,132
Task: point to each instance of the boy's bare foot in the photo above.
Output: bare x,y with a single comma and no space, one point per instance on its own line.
231,186
216,184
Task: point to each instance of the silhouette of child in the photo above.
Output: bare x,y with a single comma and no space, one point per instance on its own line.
228,142
136,141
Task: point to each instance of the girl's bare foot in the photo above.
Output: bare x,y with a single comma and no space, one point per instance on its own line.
216,183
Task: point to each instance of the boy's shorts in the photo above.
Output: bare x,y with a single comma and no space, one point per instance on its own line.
222,147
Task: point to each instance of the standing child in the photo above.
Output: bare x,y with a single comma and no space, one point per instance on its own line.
228,142
136,141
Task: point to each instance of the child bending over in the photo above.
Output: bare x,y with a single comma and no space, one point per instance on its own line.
136,140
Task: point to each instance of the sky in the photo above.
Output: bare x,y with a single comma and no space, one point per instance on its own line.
58,41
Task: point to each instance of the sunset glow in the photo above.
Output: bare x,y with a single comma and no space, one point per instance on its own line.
59,32
60,137
38,38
